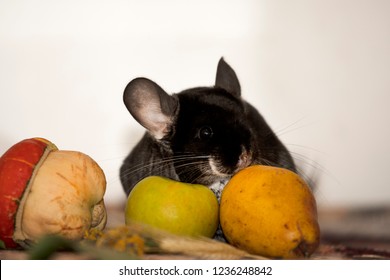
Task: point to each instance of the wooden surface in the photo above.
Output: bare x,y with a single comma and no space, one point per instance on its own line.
346,234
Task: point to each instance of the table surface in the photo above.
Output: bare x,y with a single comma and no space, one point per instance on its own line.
346,234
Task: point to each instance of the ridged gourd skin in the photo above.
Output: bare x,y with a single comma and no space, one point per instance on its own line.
44,190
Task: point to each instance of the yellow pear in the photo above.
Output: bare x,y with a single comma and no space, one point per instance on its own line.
271,212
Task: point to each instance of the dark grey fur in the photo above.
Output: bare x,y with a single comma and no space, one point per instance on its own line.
201,135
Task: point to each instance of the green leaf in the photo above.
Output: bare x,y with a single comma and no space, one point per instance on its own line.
2,244
49,245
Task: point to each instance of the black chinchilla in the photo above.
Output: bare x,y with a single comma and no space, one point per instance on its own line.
201,135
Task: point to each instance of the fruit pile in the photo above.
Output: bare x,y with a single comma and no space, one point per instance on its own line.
264,210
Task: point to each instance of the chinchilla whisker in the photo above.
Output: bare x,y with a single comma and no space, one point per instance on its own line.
194,180
189,164
292,127
202,168
264,161
316,169
304,160
299,159
161,164
142,166
288,126
188,161
163,161
205,169
311,180
304,147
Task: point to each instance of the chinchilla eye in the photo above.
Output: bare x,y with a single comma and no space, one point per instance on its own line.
205,132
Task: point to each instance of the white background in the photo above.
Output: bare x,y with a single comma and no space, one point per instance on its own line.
318,71
110,269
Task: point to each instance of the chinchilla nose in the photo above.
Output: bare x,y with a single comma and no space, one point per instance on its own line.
244,160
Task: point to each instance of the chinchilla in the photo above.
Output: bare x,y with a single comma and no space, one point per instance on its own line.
201,135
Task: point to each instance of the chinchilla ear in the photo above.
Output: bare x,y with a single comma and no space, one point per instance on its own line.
227,78
151,106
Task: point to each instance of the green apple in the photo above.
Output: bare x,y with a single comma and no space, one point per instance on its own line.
180,208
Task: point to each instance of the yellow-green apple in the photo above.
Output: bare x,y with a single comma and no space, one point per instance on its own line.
180,208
